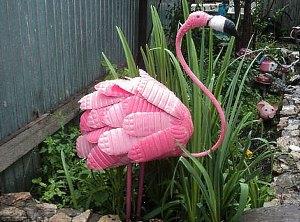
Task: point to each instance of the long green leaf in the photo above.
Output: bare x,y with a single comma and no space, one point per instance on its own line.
132,68
110,67
69,179
243,201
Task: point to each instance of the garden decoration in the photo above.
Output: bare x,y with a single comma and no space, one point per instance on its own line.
263,81
137,120
270,67
295,34
266,110
267,65
267,82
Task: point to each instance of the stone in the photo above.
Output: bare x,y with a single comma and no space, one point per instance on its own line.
289,110
283,122
285,102
13,198
292,127
69,211
297,90
286,181
295,133
296,100
295,155
298,165
285,167
274,202
294,148
289,197
283,213
285,141
94,217
286,133
60,217
293,121
46,209
12,214
83,217
283,158
277,168
32,212
110,218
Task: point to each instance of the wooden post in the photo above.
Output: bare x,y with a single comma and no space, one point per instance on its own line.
142,30
246,25
245,28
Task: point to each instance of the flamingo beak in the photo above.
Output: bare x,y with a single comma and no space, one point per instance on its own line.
230,29
222,24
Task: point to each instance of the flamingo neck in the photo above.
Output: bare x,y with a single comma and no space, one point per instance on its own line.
182,31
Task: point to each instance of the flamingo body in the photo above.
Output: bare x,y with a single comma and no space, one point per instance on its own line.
139,120
134,120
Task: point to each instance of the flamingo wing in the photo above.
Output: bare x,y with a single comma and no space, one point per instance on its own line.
84,126
130,120
117,87
98,160
141,124
155,146
83,146
160,96
93,136
116,142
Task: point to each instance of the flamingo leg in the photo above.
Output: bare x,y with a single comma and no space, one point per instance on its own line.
140,192
128,192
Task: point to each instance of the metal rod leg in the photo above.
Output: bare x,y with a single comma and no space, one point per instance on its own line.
128,192
140,192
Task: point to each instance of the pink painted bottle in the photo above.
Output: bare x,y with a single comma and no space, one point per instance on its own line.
267,66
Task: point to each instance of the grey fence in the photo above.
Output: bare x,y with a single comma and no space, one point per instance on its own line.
50,49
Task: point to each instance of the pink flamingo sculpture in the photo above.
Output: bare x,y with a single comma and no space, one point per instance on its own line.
137,120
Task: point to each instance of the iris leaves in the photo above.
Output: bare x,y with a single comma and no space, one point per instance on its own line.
218,187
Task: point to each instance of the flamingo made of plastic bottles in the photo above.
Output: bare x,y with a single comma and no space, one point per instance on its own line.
137,120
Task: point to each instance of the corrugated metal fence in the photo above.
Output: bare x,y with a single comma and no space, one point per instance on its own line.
50,49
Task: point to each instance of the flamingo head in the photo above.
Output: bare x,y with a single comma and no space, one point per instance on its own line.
218,22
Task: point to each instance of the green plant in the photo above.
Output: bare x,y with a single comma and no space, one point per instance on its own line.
267,22
221,186
66,181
